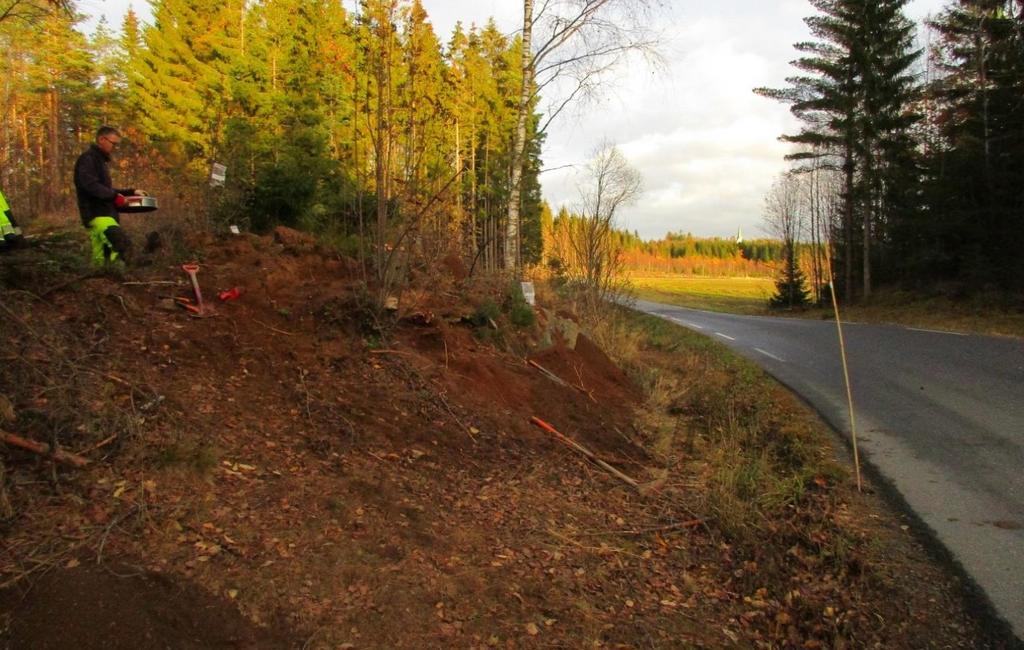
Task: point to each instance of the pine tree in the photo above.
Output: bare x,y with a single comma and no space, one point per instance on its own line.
422,116
61,74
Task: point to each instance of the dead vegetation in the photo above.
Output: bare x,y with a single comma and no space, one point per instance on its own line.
342,480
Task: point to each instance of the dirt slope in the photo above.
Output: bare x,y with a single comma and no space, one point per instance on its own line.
277,478
269,456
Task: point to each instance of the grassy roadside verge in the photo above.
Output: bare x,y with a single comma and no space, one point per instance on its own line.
981,315
989,315
816,563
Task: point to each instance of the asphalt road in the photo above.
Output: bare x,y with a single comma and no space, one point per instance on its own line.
940,416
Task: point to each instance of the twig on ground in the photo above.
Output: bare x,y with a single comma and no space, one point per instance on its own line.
305,389
75,280
581,387
102,443
561,382
44,449
536,421
152,282
274,329
592,549
106,531
547,373
693,523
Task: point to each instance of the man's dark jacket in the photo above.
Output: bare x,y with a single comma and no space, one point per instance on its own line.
93,186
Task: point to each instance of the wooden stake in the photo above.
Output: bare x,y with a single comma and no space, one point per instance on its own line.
536,421
550,375
43,449
561,382
846,368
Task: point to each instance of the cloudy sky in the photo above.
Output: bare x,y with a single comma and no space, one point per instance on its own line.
707,146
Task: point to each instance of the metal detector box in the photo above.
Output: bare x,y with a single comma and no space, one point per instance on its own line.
135,204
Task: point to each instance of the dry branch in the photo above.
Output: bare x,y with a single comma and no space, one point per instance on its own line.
586,452
561,382
547,373
43,449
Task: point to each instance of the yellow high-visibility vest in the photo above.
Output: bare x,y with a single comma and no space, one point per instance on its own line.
6,227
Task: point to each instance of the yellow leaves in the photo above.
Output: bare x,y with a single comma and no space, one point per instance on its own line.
237,469
7,413
532,629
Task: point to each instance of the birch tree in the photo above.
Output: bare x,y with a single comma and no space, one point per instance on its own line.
568,49
611,183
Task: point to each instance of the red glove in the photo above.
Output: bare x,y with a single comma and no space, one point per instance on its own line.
119,201
231,294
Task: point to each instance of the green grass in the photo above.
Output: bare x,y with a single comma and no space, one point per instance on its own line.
989,314
733,295
981,314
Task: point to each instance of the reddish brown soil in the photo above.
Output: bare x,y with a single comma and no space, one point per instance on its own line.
95,608
274,465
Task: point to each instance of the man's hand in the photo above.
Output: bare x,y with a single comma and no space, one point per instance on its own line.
119,201
141,193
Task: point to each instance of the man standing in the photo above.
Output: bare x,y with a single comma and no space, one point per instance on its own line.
10,233
98,201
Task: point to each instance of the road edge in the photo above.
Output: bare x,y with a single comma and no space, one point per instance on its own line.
999,632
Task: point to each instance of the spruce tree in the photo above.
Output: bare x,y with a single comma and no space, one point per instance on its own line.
180,79
975,197
854,101
791,286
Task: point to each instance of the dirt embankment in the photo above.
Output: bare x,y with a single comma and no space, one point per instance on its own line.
280,476
272,455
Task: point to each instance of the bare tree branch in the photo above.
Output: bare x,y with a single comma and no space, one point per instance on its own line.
574,41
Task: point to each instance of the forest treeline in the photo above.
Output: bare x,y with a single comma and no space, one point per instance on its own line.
367,128
910,153
675,253
326,120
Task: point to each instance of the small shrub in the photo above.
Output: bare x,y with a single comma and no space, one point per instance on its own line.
199,457
522,315
487,312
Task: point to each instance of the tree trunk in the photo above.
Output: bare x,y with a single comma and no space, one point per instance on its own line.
869,211
53,193
848,222
519,142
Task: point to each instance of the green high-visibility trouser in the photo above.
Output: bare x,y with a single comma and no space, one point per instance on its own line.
7,228
109,243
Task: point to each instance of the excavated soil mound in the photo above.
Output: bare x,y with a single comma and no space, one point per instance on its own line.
90,608
588,398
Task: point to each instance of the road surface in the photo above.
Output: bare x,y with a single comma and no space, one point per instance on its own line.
940,416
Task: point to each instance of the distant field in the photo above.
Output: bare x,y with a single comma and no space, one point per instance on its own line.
981,315
734,295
